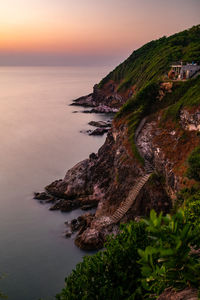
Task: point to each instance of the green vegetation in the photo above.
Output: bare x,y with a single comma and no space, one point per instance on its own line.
189,199
110,274
167,262
143,103
184,94
192,208
193,170
153,60
143,260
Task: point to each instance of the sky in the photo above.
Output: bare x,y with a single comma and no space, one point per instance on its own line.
86,32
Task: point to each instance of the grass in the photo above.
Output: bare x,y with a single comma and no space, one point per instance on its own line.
185,94
139,106
153,60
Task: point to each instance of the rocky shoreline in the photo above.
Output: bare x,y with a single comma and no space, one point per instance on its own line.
104,180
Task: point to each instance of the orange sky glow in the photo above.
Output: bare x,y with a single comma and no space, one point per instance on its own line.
83,27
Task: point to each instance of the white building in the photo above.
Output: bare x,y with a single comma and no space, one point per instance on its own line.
184,71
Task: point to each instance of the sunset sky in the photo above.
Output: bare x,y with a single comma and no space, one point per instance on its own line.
66,32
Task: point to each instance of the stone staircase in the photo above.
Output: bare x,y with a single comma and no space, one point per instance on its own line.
126,205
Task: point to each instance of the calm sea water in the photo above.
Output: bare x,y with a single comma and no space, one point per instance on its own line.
39,140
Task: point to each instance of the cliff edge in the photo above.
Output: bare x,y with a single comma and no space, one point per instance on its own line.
157,127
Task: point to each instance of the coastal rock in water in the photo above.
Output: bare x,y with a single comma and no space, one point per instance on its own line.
75,183
89,240
106,97
65,205
44,196
68,234
100,124
84,101
99,131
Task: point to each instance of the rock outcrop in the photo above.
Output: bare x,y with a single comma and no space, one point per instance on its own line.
186,294
104,100
106,178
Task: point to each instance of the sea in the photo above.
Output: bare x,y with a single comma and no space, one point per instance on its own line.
40,140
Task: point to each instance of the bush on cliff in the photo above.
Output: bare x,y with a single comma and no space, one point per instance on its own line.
137,107
194,164
184,94
190,199
111,274
143,260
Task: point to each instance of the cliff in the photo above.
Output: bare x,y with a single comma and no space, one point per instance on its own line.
158,125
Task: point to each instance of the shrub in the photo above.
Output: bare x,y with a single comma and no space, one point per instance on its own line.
110,274
143,260
167,262
194,164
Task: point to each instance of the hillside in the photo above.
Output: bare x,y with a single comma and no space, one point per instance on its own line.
153,60
146,65
150,160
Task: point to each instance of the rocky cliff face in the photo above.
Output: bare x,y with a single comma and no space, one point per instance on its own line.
104,100
105,178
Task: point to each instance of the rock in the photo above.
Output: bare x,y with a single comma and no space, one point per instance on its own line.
74,225
186,294
74,184
100,124
68,234
93,156
90,239
190,121
87,207
106,178
84,101
99,131
44,197
87,111
103,100
81,222
56,206
65,205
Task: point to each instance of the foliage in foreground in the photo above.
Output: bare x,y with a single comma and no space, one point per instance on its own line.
143,260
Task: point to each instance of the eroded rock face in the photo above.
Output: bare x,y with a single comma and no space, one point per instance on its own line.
167,147
74,184
190,120
105,100
186,294
106,178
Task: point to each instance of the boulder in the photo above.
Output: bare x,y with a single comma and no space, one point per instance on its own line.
100,124
186,294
